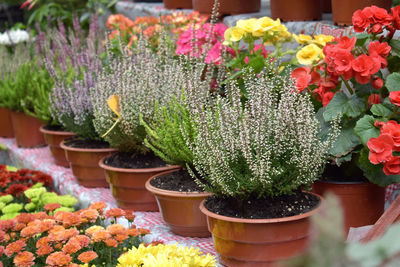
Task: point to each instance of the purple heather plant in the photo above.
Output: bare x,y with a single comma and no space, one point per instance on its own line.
73,60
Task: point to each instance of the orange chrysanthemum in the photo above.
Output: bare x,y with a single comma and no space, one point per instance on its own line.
41,216
87,257
129,215
132,232
90,214
44,241
44,250
144,231
46,225
14,247
24,259
51,206
100,235
2,236
111,242
7,225
25,218
29,231
18,227
58,259
91,230
115,213
116,229
1,250
99,206
83,240
71,247
121,237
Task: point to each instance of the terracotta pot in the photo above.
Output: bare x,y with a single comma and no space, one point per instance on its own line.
343,10
296,10
6,129
53,139
259,242
128,186
327,6
362,202
26,130
178,4
180,210
227,7
84,163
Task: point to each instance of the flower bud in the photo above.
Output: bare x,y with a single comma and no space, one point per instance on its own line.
377,83
374,99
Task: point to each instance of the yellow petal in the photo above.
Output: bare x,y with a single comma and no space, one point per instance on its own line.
113,104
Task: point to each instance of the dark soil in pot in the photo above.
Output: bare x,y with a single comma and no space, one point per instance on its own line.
265,208
56,128
347,172
82,143
134,161
180,181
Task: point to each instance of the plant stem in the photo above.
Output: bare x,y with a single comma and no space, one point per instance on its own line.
347,85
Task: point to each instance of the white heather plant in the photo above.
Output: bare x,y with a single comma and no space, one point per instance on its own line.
266,147
140,81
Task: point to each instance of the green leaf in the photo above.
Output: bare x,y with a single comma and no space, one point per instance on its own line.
257,64
393,64
365,129
351,107
375,173
380,110
345,143
362,38
392,82
395,44
363,90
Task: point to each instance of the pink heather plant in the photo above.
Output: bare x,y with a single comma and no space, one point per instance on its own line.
203,35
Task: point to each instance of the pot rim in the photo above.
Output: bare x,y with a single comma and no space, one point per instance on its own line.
43,130
94,150
343,182
139,170
171,193
258,221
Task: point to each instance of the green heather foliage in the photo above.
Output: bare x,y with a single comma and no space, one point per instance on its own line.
169,134
27,90
265,147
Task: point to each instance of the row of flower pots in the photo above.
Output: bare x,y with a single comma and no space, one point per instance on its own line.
249,242
289,10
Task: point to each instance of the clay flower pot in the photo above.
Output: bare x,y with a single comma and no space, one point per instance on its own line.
53,139
26,130
6,129
259,242
362,202
227,7
180,210
128,186
178,4
342,10
296,10
84,163
327,6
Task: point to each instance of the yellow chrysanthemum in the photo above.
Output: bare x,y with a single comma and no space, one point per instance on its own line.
322,39
308,54
234,34
303,38
248,25
166,256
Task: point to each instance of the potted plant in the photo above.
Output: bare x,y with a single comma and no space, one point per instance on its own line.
178,4
75,66
255,157
169,136
130,90
349,79
342,10
9,63
227,7
296,10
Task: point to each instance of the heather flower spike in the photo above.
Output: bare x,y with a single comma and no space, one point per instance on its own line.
113,104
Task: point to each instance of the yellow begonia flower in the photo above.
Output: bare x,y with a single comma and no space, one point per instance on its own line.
248,25
303,38
308,54
322,39
234,34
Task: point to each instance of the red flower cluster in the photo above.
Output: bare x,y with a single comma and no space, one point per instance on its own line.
15,183
381,148
375,19
344,61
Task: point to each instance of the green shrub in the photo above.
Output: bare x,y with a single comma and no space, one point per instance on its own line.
265,147
27,90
